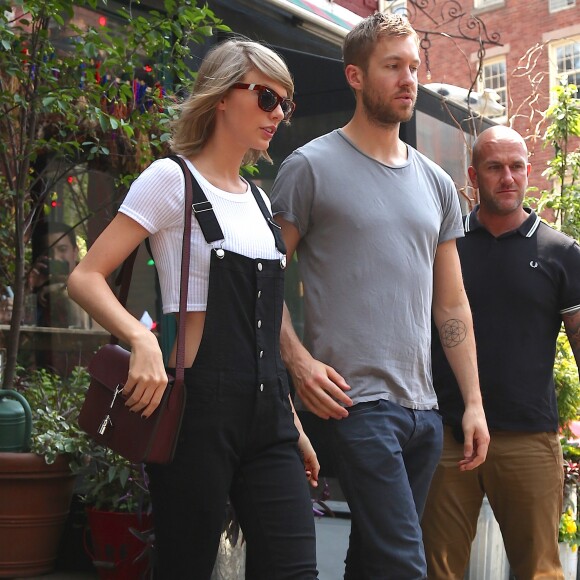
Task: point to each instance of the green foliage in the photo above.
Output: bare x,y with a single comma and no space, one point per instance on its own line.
563,203
570,450
569,529
72,93
567,384
564,168
112,483
67,98
108,481
55,403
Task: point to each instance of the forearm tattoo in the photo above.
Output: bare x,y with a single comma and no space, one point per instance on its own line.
452,333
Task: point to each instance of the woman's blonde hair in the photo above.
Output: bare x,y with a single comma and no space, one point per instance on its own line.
224,65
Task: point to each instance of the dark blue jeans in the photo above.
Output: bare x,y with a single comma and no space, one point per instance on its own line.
386,457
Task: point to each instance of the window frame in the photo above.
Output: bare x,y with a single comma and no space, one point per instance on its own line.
482,5
481,81
397,7
568,4
555,75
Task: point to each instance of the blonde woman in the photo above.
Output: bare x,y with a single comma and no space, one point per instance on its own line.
240,437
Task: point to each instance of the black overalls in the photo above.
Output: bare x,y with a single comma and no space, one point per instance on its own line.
238,437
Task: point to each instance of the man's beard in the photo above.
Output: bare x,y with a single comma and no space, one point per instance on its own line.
380,113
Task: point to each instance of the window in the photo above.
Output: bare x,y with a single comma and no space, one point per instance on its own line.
487,3
565,62
556,5
397,7
493,77
448,146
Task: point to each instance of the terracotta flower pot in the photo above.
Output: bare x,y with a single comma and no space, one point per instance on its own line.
34,504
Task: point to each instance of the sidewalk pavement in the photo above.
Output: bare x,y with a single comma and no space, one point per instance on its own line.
331,544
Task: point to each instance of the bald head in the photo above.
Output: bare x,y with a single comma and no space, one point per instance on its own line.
499,171
493,136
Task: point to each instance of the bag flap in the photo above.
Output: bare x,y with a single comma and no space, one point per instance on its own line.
110,365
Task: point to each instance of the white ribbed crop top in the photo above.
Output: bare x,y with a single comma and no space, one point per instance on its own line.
156,201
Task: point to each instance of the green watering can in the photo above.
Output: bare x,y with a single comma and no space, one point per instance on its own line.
15,422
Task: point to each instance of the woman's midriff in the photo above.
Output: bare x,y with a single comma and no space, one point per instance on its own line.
194,323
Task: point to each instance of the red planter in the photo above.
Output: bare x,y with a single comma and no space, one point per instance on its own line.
34,504
117,554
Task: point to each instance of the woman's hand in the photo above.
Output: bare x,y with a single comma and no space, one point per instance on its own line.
147,378
311,465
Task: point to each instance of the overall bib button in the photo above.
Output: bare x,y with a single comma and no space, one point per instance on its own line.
220,253
260,266
283,262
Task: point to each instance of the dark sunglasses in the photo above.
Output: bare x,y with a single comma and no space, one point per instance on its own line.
268,99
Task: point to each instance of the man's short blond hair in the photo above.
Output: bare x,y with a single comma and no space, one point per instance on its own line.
360,42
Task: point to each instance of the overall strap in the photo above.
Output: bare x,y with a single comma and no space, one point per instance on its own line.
276,229
205,215
202,207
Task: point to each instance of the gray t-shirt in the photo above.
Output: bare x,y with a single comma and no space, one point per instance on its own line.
369,233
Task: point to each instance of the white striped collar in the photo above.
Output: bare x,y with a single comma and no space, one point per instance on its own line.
527,229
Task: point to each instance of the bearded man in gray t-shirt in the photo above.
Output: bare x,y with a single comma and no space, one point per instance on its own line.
374,223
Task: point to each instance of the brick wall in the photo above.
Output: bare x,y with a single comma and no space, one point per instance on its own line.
360,7
522,25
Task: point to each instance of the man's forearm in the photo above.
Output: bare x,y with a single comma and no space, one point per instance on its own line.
291,346
572,327
458,341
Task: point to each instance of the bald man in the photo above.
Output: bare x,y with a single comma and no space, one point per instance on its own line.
522,279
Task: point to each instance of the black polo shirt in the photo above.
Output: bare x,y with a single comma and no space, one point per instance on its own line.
518,286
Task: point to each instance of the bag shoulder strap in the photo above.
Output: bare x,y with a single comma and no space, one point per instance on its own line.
184,281
124,277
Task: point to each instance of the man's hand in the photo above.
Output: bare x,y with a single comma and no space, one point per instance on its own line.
476,438
320,388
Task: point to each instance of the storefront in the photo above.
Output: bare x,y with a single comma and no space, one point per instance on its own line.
308,33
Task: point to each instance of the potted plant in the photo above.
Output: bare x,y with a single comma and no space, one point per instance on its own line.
569,538
122,535
569,530
36,485
115,493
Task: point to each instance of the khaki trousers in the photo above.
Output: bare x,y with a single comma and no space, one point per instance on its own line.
523,479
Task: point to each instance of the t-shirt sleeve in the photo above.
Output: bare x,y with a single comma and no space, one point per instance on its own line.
451,222
293,191
155,199
570,289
